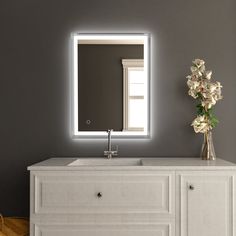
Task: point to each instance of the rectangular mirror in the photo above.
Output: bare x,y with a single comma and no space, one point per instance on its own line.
110,85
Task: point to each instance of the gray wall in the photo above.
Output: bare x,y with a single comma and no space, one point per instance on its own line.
34,89
101,84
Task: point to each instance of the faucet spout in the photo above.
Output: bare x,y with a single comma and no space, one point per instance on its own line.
109,139
109,153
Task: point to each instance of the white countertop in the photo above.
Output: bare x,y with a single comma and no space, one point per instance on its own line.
167,163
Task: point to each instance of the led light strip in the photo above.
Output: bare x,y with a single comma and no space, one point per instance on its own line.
75,121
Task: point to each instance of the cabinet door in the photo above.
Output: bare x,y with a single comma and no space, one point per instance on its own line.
206,203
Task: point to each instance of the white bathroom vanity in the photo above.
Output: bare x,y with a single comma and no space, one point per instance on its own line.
132,197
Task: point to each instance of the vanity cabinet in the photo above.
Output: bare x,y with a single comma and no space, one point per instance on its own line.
159,198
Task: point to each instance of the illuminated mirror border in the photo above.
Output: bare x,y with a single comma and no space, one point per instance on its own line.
76,134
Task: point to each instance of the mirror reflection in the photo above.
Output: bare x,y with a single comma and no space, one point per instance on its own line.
110,84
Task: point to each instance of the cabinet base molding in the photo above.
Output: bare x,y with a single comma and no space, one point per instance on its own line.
163,229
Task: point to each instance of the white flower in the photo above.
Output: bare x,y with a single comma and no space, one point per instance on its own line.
198,62
219,84
218,91
208,74
197,72
211,93
192,93
193,88
193,69
201,124
212,87
209,102
193,84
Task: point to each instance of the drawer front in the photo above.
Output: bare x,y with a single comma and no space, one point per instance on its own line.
163,229
102,192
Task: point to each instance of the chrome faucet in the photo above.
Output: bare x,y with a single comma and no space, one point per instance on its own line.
109,153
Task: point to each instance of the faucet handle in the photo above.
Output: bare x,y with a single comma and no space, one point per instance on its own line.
115,152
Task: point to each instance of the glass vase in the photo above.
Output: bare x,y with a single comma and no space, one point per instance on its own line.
208,150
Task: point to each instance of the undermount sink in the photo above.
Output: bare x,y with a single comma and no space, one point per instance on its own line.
107,162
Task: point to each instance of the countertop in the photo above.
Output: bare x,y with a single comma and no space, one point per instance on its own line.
167,163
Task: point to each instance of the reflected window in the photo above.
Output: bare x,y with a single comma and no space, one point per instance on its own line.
134,107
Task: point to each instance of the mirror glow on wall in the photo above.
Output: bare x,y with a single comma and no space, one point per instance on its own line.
110,85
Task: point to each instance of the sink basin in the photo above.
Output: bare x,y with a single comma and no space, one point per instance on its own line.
106,162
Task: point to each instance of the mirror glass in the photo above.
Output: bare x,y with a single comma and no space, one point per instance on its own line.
110,84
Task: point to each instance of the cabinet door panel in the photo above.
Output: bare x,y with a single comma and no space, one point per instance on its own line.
206,204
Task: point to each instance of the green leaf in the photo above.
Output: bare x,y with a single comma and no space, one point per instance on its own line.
213,120
199,95
200,110
208,113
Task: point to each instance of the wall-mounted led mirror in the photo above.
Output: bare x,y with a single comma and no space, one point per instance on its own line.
110,85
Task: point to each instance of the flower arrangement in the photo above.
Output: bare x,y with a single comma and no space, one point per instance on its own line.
207,93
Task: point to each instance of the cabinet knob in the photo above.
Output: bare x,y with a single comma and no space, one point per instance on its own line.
191,187
99,194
